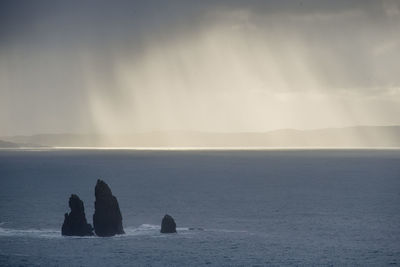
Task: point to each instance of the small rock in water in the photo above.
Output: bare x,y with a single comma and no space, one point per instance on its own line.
168,225
75,223
107,218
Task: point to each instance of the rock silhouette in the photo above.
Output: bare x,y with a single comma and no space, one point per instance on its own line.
168,225
107,218
75,223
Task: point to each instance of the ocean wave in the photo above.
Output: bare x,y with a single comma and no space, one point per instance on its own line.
41,233
144,229
150,229
130,231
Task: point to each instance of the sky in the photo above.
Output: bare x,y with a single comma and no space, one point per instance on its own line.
214,66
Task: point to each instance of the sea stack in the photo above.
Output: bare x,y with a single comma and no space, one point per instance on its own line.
75,223
168,225
107,218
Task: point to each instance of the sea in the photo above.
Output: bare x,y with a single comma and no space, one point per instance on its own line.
273,207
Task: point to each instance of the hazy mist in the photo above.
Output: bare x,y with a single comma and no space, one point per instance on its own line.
213,66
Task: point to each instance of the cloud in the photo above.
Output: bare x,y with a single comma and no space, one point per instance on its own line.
198,65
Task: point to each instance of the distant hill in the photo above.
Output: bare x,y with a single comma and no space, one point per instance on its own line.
358,136
4,144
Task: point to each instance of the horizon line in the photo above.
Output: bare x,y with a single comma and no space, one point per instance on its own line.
198,148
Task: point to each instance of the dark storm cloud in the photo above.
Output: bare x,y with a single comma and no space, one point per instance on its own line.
91,20
346,30
97,20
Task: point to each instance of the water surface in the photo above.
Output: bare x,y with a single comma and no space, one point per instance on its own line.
271,207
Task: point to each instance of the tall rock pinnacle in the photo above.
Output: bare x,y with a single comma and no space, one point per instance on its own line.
107,218
75,223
